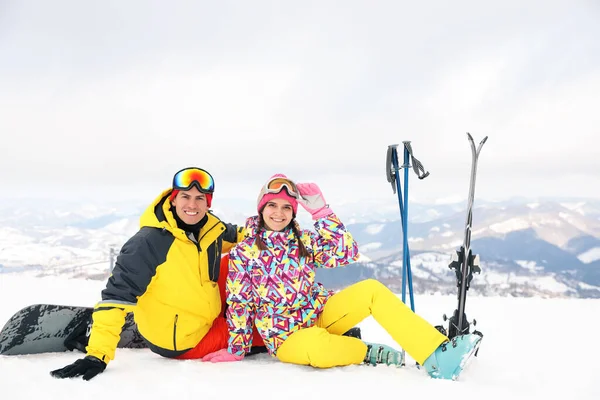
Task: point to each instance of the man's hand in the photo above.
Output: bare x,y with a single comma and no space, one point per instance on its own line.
89,367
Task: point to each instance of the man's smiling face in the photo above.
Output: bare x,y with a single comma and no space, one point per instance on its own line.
190,205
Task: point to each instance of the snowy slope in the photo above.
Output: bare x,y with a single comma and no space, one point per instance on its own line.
520,358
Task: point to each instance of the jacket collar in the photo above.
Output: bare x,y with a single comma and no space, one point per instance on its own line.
159,215
286,235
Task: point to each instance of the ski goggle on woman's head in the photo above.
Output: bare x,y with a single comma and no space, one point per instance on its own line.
188,177
276,185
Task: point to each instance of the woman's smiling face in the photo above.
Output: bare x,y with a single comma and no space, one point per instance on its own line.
277,214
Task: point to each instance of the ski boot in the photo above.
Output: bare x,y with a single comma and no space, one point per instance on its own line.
448,360
382,354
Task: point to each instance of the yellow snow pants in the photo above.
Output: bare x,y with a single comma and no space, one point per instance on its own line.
322,346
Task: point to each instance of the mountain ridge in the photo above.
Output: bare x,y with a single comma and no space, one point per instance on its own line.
556,240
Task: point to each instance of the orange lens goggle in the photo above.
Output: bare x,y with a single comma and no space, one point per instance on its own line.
188,177
276,185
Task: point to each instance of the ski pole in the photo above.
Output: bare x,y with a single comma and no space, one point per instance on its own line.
404,211
392,172
393,176
393,160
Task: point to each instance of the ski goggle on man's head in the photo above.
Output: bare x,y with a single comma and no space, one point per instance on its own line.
188,177
276,185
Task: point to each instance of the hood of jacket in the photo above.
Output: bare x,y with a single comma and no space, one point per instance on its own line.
159,215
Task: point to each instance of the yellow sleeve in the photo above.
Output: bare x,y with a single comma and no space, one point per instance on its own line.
107,323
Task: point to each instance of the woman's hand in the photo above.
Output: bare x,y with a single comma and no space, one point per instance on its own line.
312,200
221,356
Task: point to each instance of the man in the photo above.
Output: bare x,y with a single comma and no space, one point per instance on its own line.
166,274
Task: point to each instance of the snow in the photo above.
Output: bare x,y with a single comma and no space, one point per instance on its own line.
363,258
545,283
551,221
577,207
451,245
510,225
567,217
123,226
52,254
550,283
587,286
479,232
374,229
435,263
370,246
10,236
529,265
432,214
589,256
64,246
518,358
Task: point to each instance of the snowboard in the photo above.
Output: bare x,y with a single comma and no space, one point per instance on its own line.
46,328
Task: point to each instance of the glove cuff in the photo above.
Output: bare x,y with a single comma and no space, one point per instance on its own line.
96,360
100,357
322,212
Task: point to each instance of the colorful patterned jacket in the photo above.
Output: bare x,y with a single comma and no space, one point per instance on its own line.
274,288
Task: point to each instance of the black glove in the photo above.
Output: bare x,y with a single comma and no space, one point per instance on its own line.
89,367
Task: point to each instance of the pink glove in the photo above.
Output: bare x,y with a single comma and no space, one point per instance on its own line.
311,198
221,356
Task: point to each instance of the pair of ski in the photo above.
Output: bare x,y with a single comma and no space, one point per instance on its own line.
464,263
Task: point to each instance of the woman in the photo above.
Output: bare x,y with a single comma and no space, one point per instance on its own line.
271,284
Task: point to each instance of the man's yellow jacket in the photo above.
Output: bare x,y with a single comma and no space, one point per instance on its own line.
167,279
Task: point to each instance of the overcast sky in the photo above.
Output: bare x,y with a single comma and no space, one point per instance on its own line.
106,97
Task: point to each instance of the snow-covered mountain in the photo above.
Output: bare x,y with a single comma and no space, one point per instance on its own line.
553,222
431,275
558,237
527,248
68,238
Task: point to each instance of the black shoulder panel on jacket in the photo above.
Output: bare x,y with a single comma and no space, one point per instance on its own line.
230,234
136,264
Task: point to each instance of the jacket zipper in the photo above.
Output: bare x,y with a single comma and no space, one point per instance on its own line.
205,233
216,260
175,332
200,249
